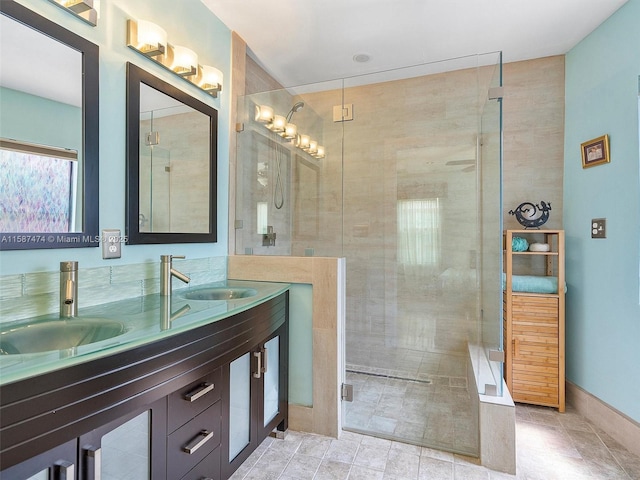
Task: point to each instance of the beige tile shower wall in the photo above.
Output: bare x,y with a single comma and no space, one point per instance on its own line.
534,136
33,294
396,148
257,80
180,169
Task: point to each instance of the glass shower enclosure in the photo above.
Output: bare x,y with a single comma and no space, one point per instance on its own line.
400,173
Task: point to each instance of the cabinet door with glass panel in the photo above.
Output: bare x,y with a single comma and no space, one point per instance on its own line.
131,447
59,463
255,402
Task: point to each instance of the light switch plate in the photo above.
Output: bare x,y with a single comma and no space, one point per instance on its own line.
599,228
111,243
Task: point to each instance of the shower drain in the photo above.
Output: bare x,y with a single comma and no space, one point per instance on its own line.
382,375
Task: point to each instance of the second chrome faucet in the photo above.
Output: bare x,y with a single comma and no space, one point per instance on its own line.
167,272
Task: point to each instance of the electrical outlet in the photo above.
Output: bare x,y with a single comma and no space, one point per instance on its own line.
599,228
111,243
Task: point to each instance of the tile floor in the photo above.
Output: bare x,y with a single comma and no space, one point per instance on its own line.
550,446
433,410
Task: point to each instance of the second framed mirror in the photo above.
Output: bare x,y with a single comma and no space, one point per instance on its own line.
171,163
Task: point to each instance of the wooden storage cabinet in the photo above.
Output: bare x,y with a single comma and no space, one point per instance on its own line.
533,325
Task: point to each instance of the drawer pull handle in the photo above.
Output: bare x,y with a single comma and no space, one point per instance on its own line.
198,392
203,437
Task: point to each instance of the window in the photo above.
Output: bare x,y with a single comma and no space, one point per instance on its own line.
419,232
38,188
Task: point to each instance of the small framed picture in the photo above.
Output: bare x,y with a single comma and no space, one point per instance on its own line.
595,152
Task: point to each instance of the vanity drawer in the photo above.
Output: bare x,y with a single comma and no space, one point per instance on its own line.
189,401
207,468
191,443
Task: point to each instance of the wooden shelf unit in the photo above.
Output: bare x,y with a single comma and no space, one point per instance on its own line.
534,324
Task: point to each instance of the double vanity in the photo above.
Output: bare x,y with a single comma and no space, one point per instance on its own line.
182,386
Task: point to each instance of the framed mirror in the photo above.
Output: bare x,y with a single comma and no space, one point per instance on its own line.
171,163
49,155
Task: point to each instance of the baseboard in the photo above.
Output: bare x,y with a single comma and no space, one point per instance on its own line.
617,425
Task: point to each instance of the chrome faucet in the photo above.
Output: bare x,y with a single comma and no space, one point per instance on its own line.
167,272
68,289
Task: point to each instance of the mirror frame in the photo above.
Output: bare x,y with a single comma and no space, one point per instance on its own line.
89,236
135,77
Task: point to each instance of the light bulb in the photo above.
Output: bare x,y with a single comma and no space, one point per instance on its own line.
290,131
152,39
263,114
304,142
210,78
185,61
278,124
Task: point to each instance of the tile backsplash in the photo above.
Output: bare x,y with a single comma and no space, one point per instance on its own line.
32,294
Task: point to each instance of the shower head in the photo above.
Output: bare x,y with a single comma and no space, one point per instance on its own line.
296,108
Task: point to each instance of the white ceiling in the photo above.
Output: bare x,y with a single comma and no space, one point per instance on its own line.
307,41
37,64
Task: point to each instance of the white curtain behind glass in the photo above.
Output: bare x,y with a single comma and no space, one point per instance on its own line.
419,243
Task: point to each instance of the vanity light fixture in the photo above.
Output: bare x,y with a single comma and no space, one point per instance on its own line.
304,142
290,131
151,41
185,61
210,78
278,124
82,9
263,114
147,38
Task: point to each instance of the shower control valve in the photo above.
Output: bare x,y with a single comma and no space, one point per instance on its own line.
269,238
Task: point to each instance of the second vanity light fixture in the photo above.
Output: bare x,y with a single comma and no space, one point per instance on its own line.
151,41
83,9
278,124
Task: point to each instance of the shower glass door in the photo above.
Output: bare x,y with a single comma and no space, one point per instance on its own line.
397,192
411,243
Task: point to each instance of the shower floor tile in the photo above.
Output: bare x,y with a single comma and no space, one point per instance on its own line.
433,413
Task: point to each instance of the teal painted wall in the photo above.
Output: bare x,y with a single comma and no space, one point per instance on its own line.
603,312
187,23
40,120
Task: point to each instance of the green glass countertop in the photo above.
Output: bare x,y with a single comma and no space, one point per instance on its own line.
146,319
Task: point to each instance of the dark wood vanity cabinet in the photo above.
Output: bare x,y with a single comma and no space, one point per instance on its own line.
194,429
166,407
255,398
